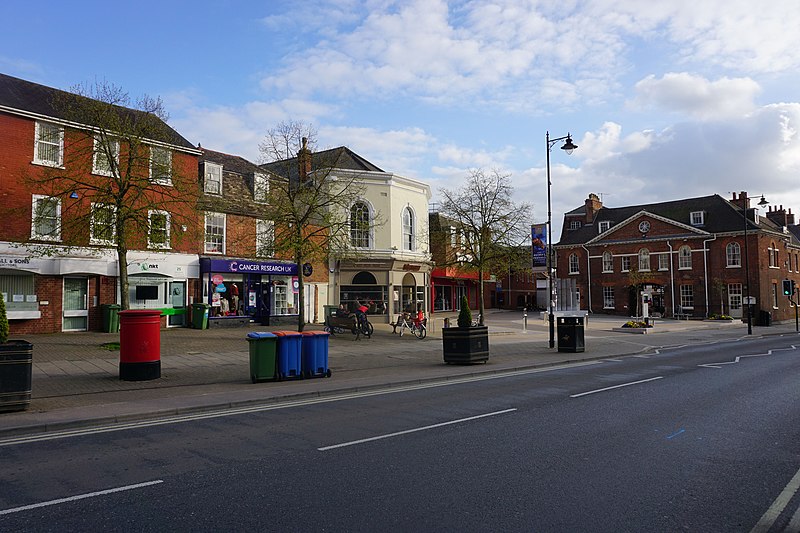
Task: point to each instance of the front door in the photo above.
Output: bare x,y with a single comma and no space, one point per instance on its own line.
75,308
177,297
735,299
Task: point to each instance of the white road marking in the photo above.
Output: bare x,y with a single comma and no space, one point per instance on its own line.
740,357
80,497
124,426
777,507
406,432
615,387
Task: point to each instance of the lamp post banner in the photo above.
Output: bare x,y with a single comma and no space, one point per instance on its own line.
539,247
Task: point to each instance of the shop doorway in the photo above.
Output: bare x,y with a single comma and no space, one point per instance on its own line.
75,307
177,298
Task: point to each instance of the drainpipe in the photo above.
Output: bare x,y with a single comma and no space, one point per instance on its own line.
671,280
589,287
705,269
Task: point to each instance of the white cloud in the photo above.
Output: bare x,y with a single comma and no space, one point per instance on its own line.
696,96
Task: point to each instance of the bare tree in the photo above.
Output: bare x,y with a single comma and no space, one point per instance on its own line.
493,227
309,200
118,167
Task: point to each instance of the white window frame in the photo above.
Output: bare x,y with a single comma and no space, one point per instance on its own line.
98,155
167,223
685,257
697,218
95,224
210,171
574,264
38,139
663,261
687,296
165,178
608,262
772,252
215,246
260,188
574,224
35,219
733,255
361,235
407,224
608,298
265,238
644,260
603,226
625,263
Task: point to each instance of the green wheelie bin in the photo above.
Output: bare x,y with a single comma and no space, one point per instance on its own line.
263,360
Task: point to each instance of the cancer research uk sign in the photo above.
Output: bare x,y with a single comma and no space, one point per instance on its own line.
253,267
539,247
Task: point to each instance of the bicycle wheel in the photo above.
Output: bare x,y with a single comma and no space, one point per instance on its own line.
421,332
368,329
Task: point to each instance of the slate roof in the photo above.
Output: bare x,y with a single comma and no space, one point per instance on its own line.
22,95
720,216
230,163
340,158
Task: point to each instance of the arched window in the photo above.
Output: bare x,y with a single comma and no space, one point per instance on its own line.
408,229
608,262
644,260
573,264
685,257
734,254
359,225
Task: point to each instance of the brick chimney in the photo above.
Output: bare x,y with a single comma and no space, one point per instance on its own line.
743,202
593,205
304,161
780,217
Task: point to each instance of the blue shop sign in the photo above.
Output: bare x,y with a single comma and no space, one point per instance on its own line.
248,267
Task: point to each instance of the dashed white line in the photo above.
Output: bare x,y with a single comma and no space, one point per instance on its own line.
80,497
406,432
614,387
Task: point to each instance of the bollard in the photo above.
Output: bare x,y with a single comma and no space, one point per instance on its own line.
525,320
447,322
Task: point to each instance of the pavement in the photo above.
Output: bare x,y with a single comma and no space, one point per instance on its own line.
76,381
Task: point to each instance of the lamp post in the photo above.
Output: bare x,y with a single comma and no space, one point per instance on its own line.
568,147
745,202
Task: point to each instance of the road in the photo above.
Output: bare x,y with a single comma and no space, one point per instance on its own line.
701,439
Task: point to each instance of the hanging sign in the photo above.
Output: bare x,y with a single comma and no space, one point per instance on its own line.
216,279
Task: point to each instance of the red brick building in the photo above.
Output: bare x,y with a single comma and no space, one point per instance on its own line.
684,257
55,276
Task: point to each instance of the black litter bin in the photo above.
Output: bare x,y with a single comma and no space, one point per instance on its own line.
764,318
16,360
569,330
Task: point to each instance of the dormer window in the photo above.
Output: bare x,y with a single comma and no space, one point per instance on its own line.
213,178
603,226
697,218
574,224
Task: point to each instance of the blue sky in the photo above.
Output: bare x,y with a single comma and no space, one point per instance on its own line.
665,99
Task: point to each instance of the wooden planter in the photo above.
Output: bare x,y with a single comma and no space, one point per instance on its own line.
16,361
465,346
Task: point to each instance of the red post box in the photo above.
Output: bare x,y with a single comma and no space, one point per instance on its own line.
139,344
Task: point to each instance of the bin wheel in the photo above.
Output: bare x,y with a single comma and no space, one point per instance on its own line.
253,379
328,373
278,376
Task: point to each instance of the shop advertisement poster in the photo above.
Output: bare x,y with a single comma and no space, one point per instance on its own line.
539,247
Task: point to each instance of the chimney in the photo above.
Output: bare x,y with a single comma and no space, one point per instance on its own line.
779,216
593,205
790,218
743,202
304,161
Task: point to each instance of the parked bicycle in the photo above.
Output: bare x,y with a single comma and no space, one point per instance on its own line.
417,326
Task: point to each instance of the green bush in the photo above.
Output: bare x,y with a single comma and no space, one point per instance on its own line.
465,315
3,321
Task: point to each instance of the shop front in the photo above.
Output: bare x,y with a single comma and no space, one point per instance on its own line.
449,285
240,291
163,281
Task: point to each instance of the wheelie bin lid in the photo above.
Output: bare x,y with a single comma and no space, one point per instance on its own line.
260,335
286,333
311,333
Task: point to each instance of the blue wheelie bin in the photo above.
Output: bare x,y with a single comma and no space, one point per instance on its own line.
315,354
289,354
263,346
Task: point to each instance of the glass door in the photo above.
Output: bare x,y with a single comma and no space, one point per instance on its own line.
75,308
177,297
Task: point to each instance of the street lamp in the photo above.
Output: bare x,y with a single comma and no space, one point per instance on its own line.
761,203
568,147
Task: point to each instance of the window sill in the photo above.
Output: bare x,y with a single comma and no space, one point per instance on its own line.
48,164
734,266
24,315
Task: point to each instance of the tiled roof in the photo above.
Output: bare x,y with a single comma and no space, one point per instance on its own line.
230,163
340,158
26,96
720,216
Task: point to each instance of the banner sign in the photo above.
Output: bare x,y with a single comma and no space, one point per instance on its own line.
539,247
252,267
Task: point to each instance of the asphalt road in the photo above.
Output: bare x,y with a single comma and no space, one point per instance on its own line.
701,439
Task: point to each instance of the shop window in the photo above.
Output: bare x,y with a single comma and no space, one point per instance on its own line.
48,144
46,218
106,156
359,225
158,231
102,228
215,233
19,294
160,165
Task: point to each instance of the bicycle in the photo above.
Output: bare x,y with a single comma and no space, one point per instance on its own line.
419,328
476,321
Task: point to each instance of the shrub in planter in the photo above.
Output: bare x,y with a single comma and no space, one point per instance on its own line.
464,315
466,344
3,321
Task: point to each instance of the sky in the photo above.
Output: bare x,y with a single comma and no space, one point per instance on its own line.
665,99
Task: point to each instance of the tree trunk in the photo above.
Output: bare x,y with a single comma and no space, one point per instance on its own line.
122,260
480,296
301,314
